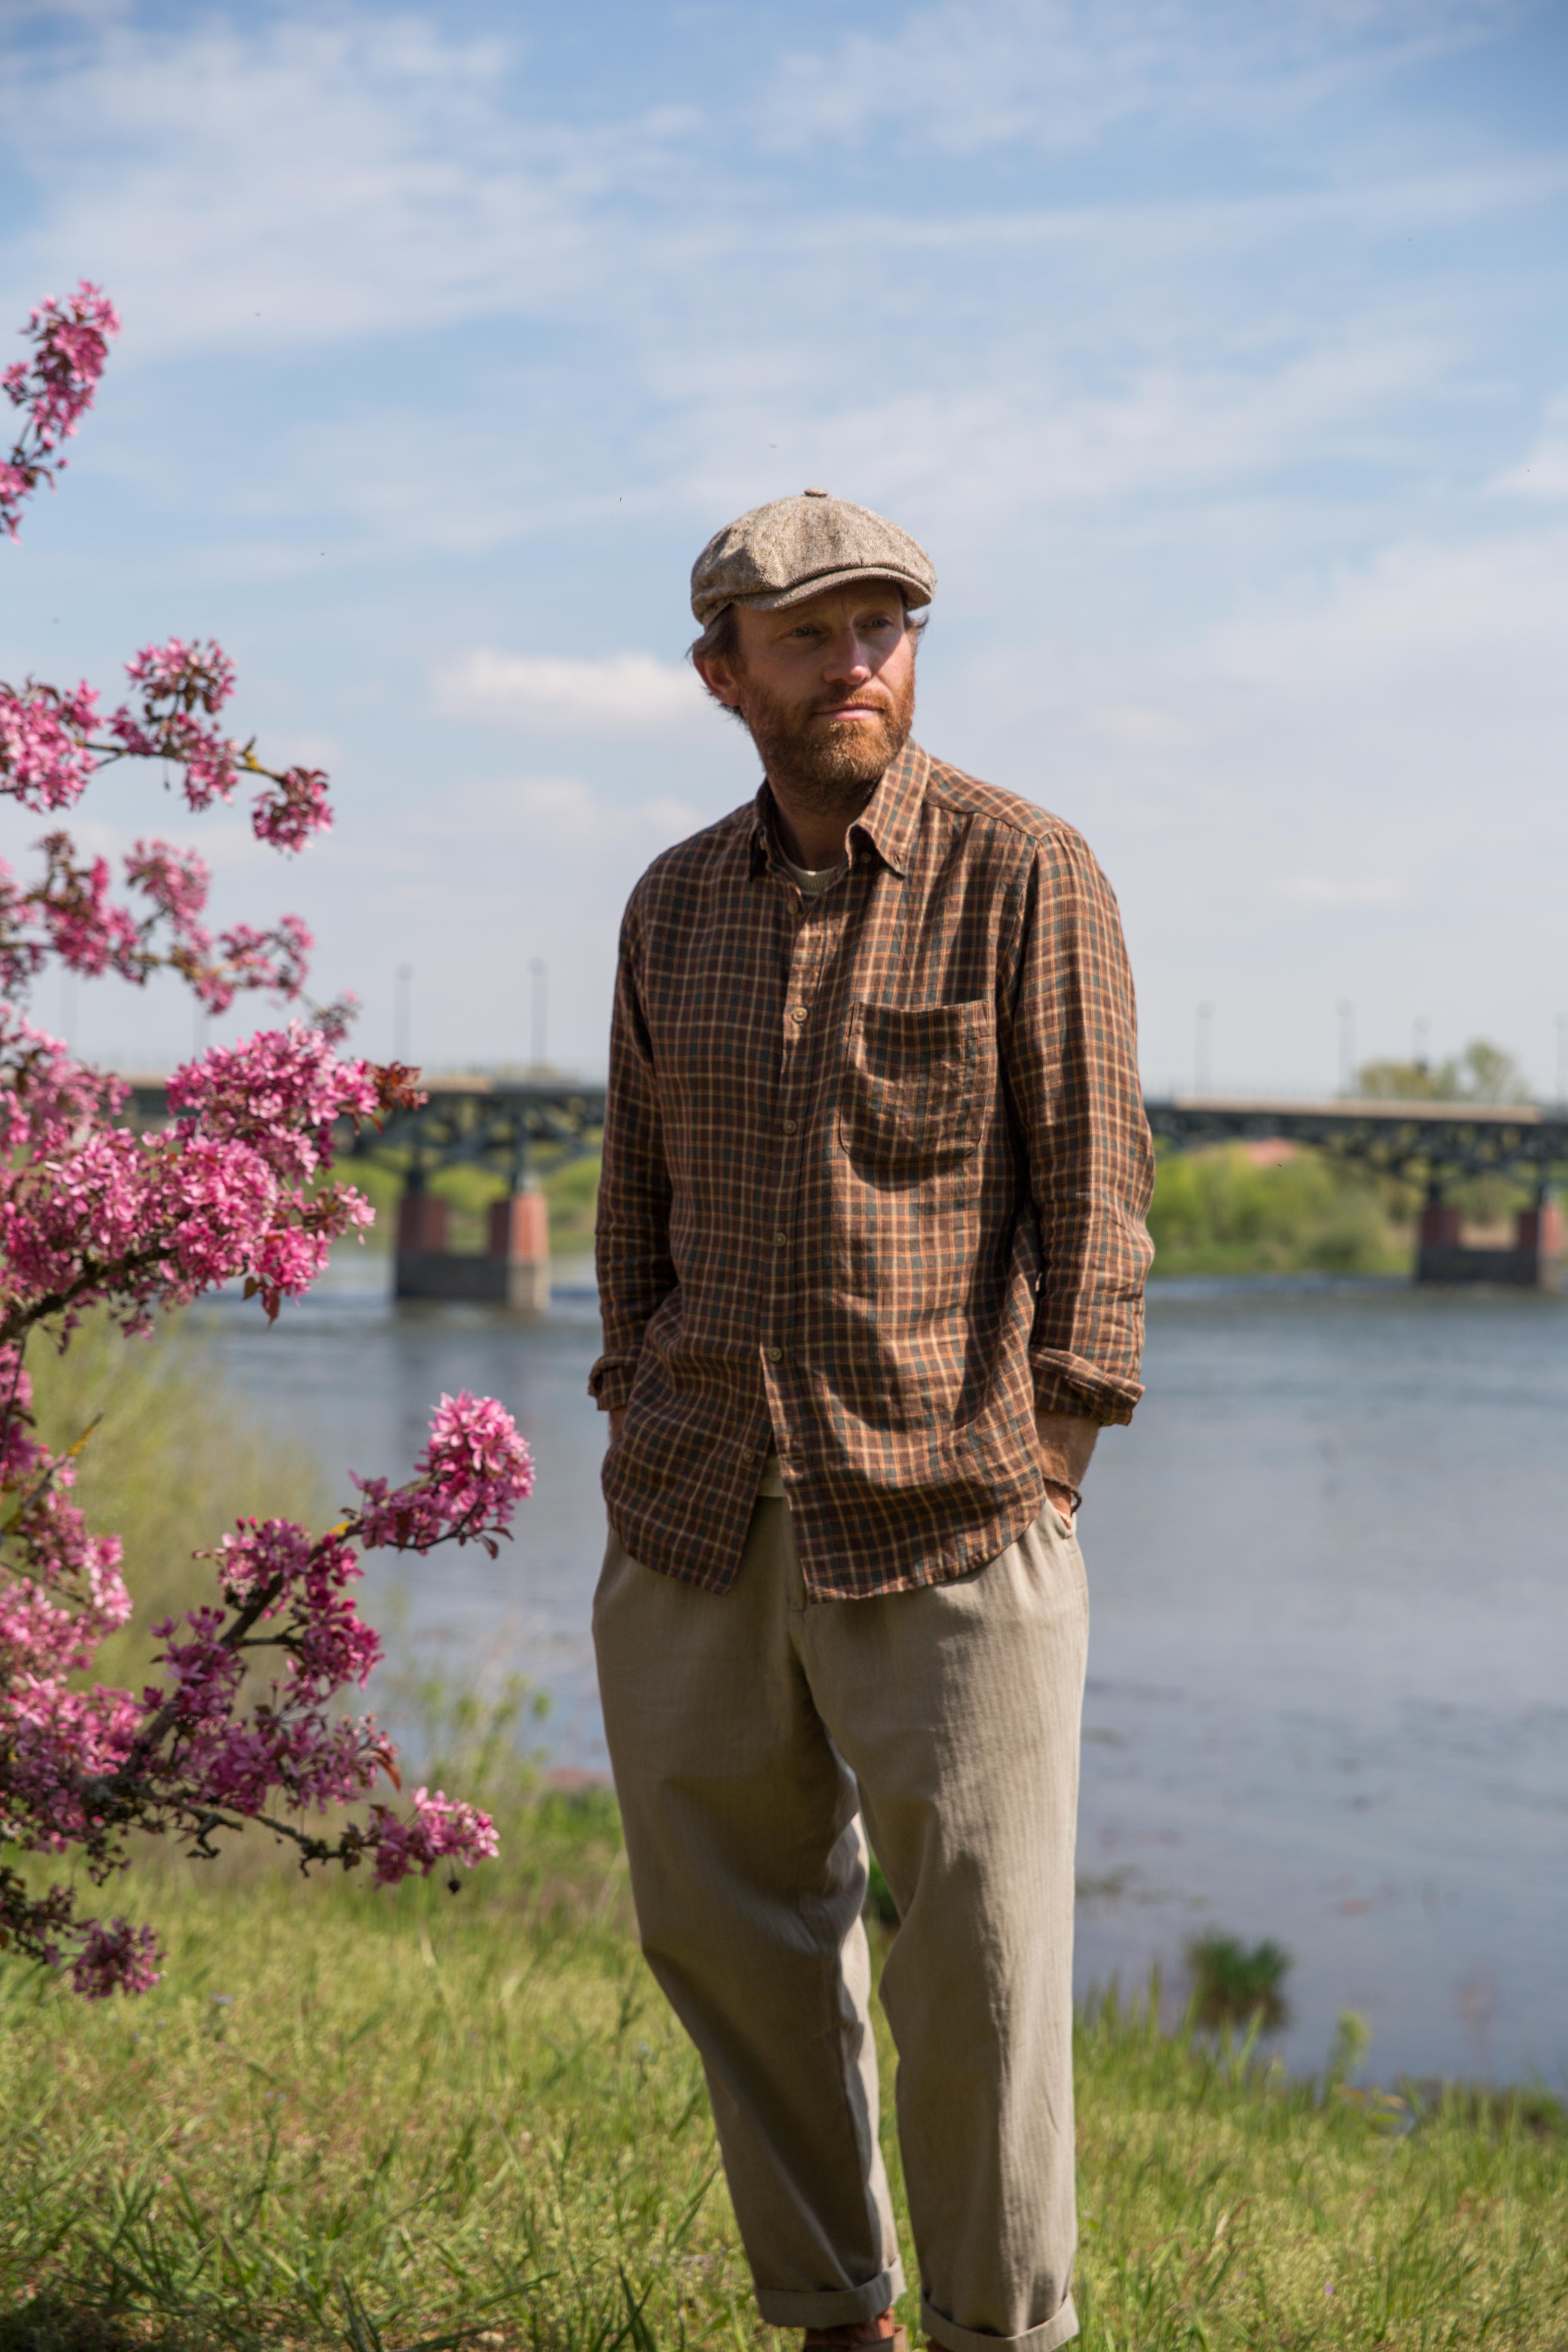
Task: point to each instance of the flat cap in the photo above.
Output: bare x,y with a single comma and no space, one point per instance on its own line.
794,548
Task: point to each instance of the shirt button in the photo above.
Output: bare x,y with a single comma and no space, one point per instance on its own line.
790,1126
780,1239
797,1012
774,1355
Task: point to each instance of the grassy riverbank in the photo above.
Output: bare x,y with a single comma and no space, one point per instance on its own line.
426,2119
361,2120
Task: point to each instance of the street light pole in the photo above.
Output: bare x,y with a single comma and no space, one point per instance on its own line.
1203,1072
1347,1046
403,1013
541,993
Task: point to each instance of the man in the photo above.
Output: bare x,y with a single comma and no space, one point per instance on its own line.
871,1256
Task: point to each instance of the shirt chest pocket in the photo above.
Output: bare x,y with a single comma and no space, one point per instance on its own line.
915,1085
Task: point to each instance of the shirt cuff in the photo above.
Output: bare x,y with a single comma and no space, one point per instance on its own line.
610,1382
1065,1383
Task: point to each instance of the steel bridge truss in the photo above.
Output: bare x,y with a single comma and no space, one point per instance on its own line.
501,1124
1430,1143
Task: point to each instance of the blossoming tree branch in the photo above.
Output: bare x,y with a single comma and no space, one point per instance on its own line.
238,1187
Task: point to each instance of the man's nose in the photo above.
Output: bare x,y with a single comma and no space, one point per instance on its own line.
846,658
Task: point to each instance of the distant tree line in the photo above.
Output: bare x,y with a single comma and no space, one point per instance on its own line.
1276,1208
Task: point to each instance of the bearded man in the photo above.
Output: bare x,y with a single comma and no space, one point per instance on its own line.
871,1255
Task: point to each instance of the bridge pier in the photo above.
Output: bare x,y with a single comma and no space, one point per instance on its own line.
513,1272
1534,1263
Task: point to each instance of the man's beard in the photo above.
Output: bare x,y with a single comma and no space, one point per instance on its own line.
826,764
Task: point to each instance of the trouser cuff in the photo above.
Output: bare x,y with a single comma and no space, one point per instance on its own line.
1060,2328
834,2306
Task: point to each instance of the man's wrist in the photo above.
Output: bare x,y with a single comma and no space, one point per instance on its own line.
1064,1444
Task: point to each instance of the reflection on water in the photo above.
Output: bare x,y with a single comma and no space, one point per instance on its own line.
1328,1694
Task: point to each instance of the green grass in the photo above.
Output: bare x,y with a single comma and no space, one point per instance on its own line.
350,2119
1234,1982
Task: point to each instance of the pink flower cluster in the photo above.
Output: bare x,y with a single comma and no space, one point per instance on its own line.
68,913
228,1192
442,1829
78,1770
45,761
71,346
237,1187
115,1958
178,680
473,1473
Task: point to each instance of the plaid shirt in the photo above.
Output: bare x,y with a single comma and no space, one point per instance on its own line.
875,1173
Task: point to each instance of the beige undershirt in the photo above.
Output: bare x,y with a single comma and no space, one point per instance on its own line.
813,880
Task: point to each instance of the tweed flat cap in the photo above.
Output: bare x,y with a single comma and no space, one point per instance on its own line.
794,547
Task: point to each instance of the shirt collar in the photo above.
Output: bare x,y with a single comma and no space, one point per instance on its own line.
888,820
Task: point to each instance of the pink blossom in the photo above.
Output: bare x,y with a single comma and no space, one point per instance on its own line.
282,1090
442,1828
175,880
45,761
71,341
118,1958
295,807
237,1187
473,1474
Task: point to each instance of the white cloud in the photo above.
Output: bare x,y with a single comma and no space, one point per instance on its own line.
306,178
1439,618
616,693
570,815
1060,74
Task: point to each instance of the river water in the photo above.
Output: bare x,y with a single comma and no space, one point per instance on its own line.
1327,1695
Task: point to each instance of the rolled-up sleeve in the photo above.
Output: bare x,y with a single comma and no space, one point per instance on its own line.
1069,1037
635,1271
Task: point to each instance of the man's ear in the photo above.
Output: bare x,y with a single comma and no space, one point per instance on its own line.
722,679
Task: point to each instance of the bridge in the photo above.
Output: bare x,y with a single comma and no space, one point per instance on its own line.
1432,1144
517,1126
512,1126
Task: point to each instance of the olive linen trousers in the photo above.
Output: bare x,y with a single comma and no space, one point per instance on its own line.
750,1735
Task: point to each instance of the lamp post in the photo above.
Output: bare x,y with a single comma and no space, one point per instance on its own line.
1203,1072
540,971
1347,1046
403,1013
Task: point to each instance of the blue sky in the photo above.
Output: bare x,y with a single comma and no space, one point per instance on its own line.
1218,353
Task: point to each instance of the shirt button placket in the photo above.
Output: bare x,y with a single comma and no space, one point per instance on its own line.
793,1097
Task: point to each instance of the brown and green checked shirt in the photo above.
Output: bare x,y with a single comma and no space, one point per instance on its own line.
874,1175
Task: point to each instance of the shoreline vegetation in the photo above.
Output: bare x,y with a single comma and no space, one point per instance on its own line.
1234,1207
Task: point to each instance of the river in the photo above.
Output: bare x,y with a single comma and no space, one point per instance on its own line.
1328,1694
